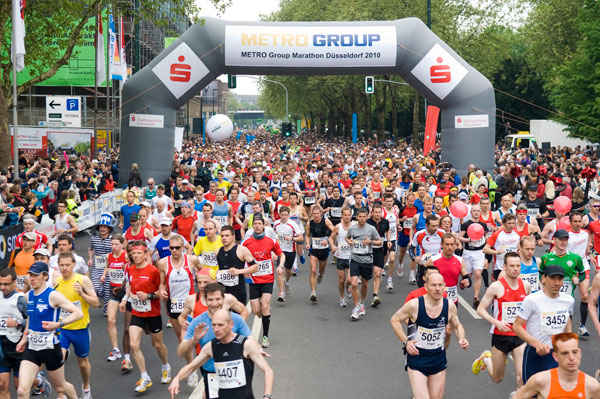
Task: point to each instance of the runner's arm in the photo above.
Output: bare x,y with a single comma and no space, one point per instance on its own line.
459,330
533,386
247,257
203,357
403,315
74,228
236,306
58,300
88,293
259,361
486,301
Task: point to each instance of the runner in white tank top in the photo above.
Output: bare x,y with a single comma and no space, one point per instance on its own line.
337,241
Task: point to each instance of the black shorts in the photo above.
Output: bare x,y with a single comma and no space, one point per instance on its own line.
392,248
364,270
51,358
290,257
342,264
10,359
257,290
239,293
378,257
238,235
152,324
320,254
489,258
169,313
113,297
506,343
495,274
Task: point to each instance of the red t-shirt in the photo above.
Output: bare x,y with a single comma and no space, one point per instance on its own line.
261,251
146,279
183,226
40,239
594,228
419,292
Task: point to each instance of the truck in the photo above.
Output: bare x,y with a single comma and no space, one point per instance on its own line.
543,131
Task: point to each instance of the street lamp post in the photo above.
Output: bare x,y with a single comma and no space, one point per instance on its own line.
213,94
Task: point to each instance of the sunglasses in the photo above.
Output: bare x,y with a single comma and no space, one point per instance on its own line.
175,247
595,206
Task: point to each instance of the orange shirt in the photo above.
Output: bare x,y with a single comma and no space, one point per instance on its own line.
21,262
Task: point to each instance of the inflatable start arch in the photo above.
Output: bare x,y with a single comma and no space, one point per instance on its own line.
404,47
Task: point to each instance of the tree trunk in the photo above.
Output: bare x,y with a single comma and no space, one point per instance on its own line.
5,146
394,98
380,102
416,100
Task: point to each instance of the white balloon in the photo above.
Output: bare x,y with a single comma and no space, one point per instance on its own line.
219,128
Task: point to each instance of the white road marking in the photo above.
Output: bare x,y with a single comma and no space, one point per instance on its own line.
468,307
198,392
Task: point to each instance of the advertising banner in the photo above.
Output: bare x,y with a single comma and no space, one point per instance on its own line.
7,243
307,46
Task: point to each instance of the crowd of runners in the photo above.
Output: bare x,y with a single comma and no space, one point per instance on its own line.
235,222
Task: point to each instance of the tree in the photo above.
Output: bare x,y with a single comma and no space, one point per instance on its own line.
53,29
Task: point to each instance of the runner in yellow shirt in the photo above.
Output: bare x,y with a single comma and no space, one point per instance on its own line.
209,246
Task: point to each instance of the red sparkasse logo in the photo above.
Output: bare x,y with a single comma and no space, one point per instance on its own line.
440,73
180,72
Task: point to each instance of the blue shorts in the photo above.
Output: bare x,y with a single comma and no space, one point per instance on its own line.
534,363
80,339
427,364
10,360
403,240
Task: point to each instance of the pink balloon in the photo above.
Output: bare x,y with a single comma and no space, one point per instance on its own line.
564,223
562,204
475,231
459,209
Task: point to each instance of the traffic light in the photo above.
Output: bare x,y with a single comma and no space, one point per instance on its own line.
231,81
369,84
286,129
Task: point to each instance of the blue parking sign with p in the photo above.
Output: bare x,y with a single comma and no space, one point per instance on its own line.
73,104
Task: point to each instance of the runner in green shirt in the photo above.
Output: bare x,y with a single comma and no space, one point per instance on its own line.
570,262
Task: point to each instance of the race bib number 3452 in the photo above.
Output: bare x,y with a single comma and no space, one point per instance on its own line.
554,322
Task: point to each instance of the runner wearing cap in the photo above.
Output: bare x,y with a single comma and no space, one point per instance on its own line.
574,269
565,381
40,341
159,246
41,240
546,313
128,209
536,207
160,196
98,252
21,259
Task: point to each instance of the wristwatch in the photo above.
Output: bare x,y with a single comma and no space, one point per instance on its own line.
269,396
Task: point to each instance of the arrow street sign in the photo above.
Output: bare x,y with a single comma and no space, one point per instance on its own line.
64,109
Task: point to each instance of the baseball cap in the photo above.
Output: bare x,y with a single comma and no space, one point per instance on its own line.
30,236
554,270
145,203
463,196
165,222
38,268
185,181
561,233
42,251
161,186
532,187
133,217
258,216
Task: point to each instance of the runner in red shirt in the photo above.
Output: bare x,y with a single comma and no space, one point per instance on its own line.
144,282
183,223
451,266
41,238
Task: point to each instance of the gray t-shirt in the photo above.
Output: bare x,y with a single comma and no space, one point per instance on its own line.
362,253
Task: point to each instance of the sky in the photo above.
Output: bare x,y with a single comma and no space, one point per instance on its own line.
240,10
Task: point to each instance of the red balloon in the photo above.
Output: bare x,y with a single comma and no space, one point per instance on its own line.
475,231
564,223
562,204
459,209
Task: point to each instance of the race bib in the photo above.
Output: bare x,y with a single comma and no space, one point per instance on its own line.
345,249
265,267
554,322
177,305
452,293
376,194
116,276
21,282
335,212
65,313
393,232
213,386
430,338
231,374
40,340
567,287
359,248
509,311
407,224
310,200
478,243
100,261
4,329
140,306
532,279
533,212
317,243
227,279
222,220
209,259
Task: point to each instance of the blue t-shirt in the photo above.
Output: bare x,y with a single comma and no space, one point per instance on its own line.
239,327
127,210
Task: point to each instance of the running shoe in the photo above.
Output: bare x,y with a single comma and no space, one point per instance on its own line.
281,297
319,278
295,271
313,297
386,266
583,331
126,366
362,310
114,355
400,271
86,394
349,291
343,303
355,314
265,342
479,363
169,324
193,380
412,280
597,375
286,288
302,260
166,376
390,285
375,301
44,388
143,384
513,395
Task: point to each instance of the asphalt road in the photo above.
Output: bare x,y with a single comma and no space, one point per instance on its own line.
317,351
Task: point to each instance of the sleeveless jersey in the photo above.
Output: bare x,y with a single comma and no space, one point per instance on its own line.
62,223
578,245
450,270
116,269
506,307
318,233
407,224
129,236
67,288
39,309
431,332
557,392
235,206
530,273
524,232
221,213
234,371
376,189
227,260
295,216
344,249
180,282
9,308
489,221
392,217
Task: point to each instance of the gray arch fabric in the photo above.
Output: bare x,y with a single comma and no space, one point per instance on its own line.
403,47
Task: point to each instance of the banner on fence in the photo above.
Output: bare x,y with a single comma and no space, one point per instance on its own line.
8,237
